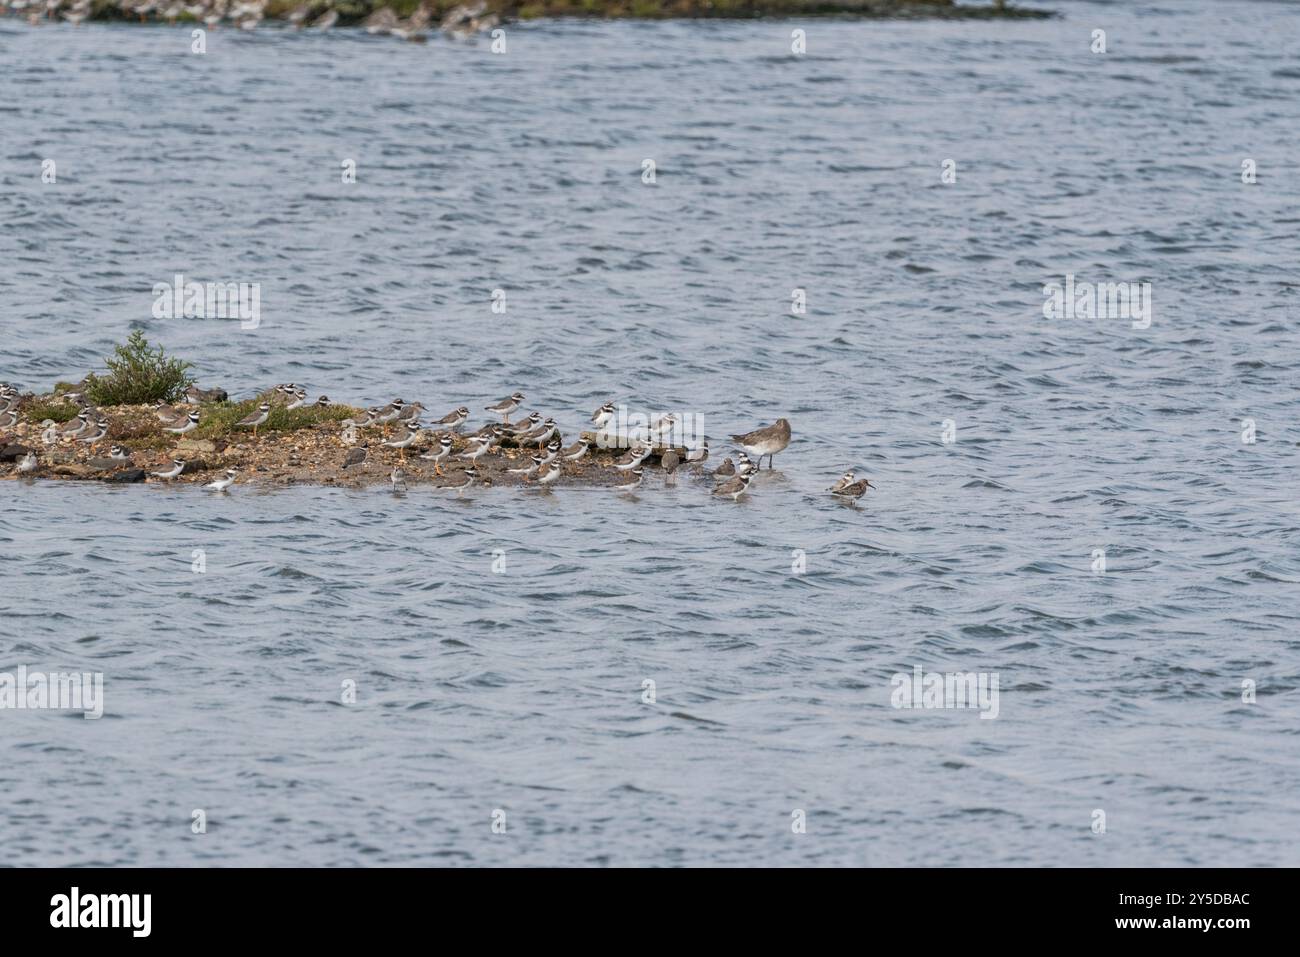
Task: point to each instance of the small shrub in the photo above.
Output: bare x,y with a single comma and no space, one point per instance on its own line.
139,375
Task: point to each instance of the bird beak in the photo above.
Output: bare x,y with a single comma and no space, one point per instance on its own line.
869,485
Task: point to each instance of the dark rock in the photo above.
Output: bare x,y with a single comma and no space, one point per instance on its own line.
129,475
12,453
208,395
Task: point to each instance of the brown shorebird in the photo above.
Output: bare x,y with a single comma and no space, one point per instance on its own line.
405,437
256,417
633,457
455,417
548,473
737,486
506,406
669,462
767,440
576,451
698,455
631,481
437,454
356,456
847,488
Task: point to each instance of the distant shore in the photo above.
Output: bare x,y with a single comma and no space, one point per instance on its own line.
414,19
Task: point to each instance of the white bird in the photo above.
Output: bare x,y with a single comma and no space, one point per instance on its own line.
223,483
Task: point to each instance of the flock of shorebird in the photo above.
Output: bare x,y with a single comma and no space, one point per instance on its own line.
534,432
461,22
545,465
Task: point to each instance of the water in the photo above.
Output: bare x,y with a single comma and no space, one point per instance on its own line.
522,691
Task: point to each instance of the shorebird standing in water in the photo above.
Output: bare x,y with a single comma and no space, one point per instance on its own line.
470,475
630,483
506,406
698,455
847,488
223,483
737,486
27,464
767,440
397,477
669,462
548,474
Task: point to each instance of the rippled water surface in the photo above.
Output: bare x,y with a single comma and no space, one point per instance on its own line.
523,691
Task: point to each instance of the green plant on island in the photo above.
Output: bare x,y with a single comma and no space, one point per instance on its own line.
139,375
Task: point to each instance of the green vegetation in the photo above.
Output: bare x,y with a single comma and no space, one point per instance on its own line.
139,375
38,410
218,421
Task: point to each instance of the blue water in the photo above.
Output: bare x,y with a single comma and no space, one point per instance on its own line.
522,691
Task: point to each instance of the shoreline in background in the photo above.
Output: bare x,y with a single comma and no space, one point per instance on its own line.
414,19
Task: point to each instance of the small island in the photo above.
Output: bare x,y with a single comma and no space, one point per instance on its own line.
147,420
